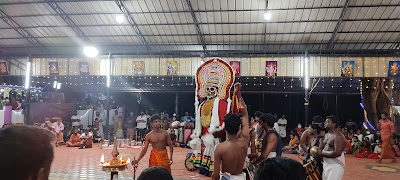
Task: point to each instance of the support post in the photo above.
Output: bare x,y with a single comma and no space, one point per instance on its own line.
306,99
28,88
177,105
108,69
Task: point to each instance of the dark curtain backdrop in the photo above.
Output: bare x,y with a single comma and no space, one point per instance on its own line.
40,110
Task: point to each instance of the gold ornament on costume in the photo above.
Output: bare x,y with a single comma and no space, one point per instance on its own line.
206,112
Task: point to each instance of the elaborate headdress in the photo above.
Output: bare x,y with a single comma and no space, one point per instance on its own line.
214,72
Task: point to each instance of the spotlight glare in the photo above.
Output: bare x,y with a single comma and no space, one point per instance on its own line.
120,18
90,51
267,16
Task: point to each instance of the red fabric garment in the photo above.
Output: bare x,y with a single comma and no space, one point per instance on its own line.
222,108
387,152
373,156
348,147
359,155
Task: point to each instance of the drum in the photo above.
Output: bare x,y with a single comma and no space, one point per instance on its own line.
189,165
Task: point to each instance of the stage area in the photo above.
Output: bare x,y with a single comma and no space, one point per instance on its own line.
74,164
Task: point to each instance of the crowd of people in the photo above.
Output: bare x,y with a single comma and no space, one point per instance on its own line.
258,141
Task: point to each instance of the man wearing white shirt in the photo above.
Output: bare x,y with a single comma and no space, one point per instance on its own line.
87,139
76,120
282,123
141,124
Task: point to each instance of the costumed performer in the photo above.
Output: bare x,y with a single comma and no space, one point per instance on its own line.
214,79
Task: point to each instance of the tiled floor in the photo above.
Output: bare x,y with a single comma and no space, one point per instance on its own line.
74,164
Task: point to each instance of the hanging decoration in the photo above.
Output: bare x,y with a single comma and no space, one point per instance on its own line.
172,67
138,67
393,70
53,67
236,67
271,68
347,68
3,68
84,68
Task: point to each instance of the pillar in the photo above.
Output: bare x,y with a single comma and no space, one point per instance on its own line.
177,104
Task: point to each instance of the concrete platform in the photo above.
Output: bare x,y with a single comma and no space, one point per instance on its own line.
73,164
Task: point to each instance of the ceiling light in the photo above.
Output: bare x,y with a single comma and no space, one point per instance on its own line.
120,18
267,16
90,51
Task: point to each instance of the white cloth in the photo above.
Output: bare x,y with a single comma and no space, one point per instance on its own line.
119,134
276,127
101,130
333,168
86,136
282,129
226,175
377,149
141,125
58,127
78,123
282,121
370,137
360,137
271,155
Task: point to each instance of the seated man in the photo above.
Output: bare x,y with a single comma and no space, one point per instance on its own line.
26,152
74,140
233,161
87,139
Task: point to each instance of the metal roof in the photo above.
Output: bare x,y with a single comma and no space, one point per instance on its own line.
161,26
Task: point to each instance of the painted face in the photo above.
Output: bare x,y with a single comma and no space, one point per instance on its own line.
211,92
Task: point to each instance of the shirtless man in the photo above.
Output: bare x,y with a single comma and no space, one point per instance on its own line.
159,139
332,153
232,153
307,136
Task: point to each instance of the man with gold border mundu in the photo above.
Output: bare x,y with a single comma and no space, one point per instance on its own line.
214,79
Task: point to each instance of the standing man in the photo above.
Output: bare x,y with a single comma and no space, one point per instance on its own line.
258,128
99,124
159,140
146,113
141,124
130,125
272,142
332,153
386,127
57,129
307,134
232,161
76,121
282,123
115,118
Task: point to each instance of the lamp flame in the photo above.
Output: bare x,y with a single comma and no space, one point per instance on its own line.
102,159
128,161
120,158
